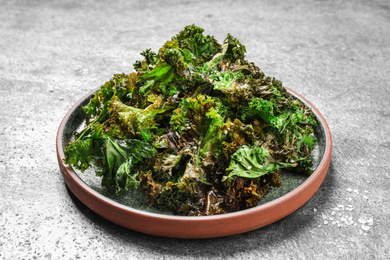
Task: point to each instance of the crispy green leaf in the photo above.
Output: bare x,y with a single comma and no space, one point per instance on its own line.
252,162
121,157
81,152
136,121
121,85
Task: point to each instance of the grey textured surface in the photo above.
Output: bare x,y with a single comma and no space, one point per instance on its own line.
334,53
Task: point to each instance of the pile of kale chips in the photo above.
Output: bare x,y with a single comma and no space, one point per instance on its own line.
199,128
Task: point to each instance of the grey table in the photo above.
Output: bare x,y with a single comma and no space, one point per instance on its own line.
334,53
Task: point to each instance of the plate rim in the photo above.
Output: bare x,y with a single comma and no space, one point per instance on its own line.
195,226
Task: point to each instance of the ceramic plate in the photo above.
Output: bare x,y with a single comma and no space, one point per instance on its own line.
131,210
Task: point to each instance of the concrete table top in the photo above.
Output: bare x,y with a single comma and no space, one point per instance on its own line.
334,53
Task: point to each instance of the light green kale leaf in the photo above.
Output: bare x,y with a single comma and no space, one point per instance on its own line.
252,162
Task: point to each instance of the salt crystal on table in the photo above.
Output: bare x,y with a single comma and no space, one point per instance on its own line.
365,228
